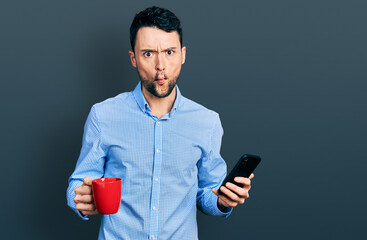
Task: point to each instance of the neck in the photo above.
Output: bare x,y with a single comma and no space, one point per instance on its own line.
160,106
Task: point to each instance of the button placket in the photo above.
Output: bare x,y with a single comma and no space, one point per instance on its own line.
157,162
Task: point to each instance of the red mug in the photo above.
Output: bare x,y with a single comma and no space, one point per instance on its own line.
107,194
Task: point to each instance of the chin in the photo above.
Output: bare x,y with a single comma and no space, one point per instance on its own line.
161,94
166,90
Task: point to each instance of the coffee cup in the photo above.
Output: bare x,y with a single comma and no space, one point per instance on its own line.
107,194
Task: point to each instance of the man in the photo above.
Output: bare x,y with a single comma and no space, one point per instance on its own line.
165,147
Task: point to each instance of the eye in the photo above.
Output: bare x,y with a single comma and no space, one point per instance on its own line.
148,54
170,52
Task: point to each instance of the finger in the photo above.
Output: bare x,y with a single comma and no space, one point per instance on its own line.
215,191
229,194
87,181
83,190
227,202
245,181
251,176
83,199
225,199
89,212
237,190
85,207
222,195
231,202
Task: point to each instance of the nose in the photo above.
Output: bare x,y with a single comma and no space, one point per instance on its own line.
160,65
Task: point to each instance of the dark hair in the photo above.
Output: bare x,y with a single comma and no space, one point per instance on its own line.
158,17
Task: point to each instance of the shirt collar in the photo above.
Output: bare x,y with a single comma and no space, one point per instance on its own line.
143,104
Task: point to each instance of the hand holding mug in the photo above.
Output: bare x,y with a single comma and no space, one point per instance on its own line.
84,198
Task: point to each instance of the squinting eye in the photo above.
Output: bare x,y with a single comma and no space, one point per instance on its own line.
170,52
148,54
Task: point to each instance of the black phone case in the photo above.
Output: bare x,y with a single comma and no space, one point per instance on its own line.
244,167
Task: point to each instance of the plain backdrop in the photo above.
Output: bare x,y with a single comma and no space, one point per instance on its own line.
287,77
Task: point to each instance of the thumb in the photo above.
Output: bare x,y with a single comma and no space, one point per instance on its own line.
87,181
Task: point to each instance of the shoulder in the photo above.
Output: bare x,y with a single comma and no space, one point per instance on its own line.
204,121
198,110
112,104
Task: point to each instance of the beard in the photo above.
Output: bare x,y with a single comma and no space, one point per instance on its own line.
152,87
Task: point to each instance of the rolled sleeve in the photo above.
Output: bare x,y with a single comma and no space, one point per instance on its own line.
91,160
212,171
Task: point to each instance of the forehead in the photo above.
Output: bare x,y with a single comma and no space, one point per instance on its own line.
152,37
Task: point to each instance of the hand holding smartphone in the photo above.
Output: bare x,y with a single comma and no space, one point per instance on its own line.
244,167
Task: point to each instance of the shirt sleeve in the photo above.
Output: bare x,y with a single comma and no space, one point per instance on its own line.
91,160
212,170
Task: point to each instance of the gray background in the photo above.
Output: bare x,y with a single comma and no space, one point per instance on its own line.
288,79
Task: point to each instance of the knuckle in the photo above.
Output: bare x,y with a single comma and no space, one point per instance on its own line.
81,198
245,194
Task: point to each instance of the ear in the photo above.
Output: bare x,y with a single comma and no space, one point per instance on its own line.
183,54
132,58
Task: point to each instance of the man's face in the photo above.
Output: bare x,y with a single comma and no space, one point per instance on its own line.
158,58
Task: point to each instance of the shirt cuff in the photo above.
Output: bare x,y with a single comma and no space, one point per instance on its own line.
216,210
71,196
80,214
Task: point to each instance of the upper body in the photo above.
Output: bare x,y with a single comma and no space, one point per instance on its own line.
168,166
165,147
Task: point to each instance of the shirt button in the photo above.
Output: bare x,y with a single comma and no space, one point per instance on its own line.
153,237
153,207
158,123
157,150
156,179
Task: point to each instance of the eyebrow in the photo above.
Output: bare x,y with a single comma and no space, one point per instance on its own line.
152,50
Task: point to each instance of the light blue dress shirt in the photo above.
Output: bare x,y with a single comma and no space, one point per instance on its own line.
168,166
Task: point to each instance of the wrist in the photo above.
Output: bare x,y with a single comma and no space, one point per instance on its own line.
221,206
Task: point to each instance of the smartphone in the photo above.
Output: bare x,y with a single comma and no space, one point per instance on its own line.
244,167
